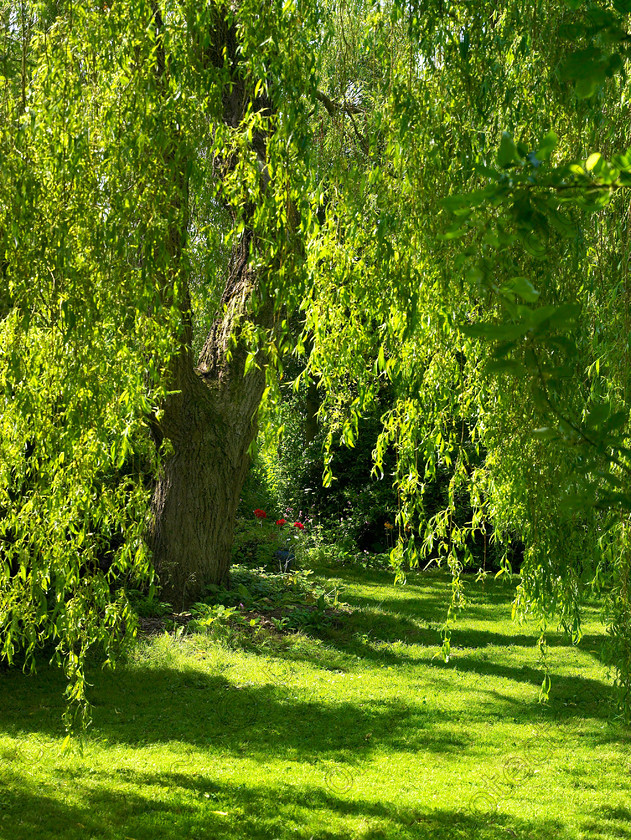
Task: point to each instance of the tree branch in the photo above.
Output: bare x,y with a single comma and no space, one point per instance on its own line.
336,107
345,107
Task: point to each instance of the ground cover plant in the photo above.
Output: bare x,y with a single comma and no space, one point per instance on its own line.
257,598
360,731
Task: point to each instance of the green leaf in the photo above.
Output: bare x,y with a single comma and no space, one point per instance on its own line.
583,64
510,366
592,160
546,433
547,146
496,332
250,362
564,315
622,160
597,415
616,421
461,202
454,232
522,287
507,154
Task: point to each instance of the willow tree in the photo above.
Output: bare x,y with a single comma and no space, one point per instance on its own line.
182,177
154,157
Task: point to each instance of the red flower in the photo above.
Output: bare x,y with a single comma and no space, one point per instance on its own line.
281,522
299,525
260,514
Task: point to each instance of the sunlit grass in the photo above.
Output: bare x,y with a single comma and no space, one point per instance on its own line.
365,733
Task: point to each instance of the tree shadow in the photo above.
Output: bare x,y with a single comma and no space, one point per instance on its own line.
427,609
136,707
175,805
609,822
217,711
278,719
198,707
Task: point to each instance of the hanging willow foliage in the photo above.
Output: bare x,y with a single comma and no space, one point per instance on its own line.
434,193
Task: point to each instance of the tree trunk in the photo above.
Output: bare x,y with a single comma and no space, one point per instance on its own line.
210,424
210,419
196,496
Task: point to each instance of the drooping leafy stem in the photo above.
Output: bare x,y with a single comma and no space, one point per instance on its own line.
502,295
323,144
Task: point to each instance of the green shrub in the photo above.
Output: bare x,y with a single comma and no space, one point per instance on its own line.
276,545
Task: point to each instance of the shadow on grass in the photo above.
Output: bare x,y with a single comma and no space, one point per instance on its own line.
424,600
173,806
570,696
607,822
372,625
208,716
422,606
142,705
138,707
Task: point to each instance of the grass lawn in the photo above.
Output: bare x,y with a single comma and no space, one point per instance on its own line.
363,733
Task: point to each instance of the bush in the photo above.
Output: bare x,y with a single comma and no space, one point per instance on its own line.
276,545
354,508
